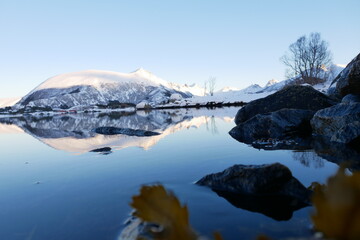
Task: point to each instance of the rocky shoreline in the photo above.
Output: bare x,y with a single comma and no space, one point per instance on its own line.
295,118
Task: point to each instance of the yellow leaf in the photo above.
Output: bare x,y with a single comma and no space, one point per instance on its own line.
263,237
337,206
156,205
217,236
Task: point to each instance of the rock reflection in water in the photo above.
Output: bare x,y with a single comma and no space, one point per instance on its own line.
269,189
313,150
279,208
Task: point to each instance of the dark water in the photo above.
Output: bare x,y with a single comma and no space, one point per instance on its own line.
53,187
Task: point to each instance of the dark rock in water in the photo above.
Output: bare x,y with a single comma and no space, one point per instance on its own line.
348,81
269,189
104,150
257,180
124,131
281,124
280,208
348,134
351,98
294,97
340,123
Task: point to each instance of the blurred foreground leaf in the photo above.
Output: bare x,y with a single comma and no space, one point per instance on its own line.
337,206
156,205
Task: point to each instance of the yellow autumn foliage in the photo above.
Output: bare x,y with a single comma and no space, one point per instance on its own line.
156,205
337,206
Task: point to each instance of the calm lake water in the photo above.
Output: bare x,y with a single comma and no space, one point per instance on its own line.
53,187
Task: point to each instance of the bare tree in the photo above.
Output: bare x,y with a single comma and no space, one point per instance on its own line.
308,58
212,82
205,87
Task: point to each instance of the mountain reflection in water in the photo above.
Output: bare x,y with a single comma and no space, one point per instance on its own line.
75,133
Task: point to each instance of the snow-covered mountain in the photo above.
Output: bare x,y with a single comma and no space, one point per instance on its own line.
228,89
248,90
93,87
255,91
271,82
193,89
251,89
329,74
8,102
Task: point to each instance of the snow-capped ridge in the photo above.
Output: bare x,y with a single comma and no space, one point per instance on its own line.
8,102
94,87
271,82
252,88
228,89
97,78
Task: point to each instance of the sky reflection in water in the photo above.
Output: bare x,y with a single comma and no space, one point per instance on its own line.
52,187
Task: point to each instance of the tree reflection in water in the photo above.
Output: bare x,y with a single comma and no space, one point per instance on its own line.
308,159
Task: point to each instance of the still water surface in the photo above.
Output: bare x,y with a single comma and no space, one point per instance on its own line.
53,187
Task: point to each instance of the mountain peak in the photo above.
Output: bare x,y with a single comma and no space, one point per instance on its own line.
271,82
141,70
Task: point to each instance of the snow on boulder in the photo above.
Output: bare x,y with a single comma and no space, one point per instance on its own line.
175,97
143,105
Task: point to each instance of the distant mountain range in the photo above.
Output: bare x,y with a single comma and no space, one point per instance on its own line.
275,85
96,87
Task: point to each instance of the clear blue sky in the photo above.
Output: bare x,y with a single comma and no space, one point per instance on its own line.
239,42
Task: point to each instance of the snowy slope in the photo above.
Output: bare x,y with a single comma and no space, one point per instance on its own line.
330,74
251,89
93,87
271,82
255,91
228,89
193,89
10,129
8,102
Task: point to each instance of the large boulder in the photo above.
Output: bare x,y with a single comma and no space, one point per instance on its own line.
279,125
295,97
269,189
348,81
259,180
339,123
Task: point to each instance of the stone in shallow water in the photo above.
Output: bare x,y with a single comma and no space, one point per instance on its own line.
340,123
269,189
294,97
282,124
